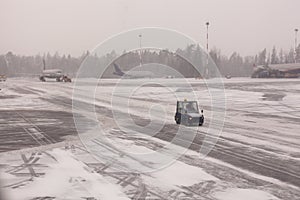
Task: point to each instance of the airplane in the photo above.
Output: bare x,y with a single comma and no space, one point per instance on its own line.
53,74
131,74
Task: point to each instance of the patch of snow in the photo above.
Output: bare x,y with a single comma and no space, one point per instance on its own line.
68,179
245,194
178,174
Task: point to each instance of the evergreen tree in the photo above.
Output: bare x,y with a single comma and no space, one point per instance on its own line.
274,57
281,56
298,54
290,58
262,57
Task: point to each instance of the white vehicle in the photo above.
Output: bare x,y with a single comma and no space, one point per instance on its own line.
52,74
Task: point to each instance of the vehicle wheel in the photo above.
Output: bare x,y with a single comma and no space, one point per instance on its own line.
201,122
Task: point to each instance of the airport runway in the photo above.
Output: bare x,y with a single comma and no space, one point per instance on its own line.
260,134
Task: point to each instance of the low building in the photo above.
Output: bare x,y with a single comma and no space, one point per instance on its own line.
291,70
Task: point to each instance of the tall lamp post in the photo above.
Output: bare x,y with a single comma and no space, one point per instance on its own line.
140,36
296,31
207,51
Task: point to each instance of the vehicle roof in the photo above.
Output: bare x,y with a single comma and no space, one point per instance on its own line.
52,70
187,101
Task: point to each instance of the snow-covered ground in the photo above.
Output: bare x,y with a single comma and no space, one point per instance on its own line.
128,155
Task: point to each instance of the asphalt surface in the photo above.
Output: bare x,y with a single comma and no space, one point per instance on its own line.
21,129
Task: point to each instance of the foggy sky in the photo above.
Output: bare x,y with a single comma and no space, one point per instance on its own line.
73,26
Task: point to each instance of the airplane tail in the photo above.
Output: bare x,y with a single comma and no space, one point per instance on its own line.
118,70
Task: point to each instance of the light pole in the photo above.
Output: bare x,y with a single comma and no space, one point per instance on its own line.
207,53
140,36
296,31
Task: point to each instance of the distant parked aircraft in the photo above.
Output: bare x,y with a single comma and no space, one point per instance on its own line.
132,74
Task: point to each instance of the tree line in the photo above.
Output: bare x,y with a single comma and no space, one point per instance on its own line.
183,60
236,65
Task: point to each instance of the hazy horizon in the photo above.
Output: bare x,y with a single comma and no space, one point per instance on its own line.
74,26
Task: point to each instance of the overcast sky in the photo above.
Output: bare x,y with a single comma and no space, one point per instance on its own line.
73,26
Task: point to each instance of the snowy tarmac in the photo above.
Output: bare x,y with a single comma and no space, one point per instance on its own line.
257,154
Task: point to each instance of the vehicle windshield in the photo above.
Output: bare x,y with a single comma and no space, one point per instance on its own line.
190,107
